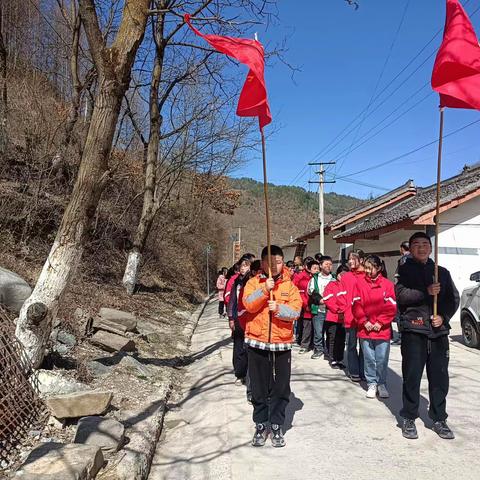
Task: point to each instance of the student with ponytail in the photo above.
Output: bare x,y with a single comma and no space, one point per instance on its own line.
374,308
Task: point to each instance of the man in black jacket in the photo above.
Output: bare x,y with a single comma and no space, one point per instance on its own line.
424,336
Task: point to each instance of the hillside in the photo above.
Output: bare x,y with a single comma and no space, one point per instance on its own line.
294,211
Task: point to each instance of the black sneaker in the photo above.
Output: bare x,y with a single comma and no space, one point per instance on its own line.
260,435
409,430
335,365
443,430
316,354
249,398
277,436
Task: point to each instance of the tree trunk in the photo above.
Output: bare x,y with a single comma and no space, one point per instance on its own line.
114,66
150,203
3,88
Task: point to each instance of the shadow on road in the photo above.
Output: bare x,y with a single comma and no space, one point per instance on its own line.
294,405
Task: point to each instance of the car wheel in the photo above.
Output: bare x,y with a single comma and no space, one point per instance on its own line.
470,333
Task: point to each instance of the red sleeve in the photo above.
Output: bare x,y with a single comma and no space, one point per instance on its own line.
330,297
357,307
389,309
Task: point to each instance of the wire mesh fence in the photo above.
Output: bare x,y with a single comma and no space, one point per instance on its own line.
20,406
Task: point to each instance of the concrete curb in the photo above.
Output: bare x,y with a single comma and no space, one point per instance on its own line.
145,424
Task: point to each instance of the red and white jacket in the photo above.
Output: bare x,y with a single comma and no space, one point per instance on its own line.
300,280
374,301
228,288
330,298
345,296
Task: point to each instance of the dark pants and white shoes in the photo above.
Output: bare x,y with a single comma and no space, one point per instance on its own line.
270,385
418,352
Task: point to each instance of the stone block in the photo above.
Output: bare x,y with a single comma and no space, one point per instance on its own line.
105,433
112,342
81,404
126,319
58,461
52,382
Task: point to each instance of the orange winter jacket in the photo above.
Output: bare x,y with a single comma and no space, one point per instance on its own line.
278,327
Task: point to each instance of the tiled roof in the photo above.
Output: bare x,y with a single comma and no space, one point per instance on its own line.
377,202
423,202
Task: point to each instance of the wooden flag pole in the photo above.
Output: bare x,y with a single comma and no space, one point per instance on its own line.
267,210
437,212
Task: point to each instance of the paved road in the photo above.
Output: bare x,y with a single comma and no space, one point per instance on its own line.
333,431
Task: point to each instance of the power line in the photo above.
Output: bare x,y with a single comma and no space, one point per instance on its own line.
411,152
323,151
385,63
398,117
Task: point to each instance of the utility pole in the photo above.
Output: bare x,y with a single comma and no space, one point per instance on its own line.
321,206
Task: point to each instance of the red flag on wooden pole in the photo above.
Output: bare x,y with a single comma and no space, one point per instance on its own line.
253,97
253,100
456,77
456,73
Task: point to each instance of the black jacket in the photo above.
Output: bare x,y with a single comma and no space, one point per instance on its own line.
416,305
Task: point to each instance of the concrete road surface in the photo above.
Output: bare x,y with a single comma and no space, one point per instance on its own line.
332,430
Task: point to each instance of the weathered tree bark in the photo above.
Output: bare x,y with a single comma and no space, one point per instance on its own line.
114,66
3,88
150,202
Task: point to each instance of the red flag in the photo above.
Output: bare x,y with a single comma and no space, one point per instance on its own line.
253,97
456,73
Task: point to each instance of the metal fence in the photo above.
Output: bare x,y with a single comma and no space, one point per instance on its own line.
20,406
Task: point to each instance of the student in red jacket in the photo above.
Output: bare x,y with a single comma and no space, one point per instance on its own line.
345,297
334,327
301,281
374,308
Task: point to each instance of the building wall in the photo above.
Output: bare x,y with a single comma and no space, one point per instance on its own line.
388,242
332,248
459,245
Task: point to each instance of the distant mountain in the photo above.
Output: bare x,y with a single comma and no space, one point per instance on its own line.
293,211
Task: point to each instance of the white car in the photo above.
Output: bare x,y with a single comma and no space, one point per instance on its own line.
470,313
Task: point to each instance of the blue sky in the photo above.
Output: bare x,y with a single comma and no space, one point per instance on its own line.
341,53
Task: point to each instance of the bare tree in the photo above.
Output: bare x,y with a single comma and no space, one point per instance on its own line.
113,64
180,65
3,86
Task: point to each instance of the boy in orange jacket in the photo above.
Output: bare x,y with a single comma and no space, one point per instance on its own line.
274,303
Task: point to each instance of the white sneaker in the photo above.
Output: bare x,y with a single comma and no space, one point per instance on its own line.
372,391
383,392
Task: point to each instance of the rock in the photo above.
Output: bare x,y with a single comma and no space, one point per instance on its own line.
98,369
83,320
56,423
54,383
182,314
139,369
105,433
66,338
112,342
80,404
14,290
58,461
61,349
148,331
126,319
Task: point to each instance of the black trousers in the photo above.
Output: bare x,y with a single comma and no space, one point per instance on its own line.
240,358
270,392
307,333
335,340
419,351
221,307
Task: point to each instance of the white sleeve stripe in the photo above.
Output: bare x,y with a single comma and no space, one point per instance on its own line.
330,295
390,299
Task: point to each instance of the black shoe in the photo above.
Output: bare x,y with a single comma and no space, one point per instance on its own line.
277,436
249,398
398,341
341,366
409,430
302,351
335,365
316,354
260,435
355,378
443,430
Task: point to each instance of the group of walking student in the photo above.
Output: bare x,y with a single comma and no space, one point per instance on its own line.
345,317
